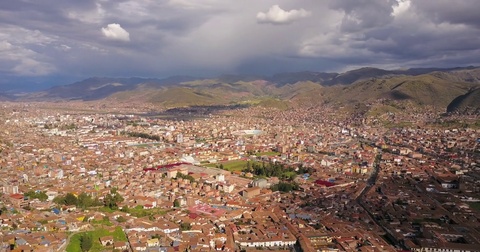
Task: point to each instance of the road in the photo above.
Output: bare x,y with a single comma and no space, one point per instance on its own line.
372,180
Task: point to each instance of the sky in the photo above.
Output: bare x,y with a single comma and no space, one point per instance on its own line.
49,42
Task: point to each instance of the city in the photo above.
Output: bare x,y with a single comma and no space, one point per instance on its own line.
237,179
240,126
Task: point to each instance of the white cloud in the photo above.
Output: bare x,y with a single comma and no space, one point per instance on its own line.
20,60
403,5
32,67
64,48
276,15
5,46
115,32
331,45
88,16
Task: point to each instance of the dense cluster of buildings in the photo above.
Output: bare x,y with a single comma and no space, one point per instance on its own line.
369,188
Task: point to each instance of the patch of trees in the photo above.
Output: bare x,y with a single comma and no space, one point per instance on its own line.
141,135
185,226
40,195
188,177
285,187
83,200
121,219
274,169
112,199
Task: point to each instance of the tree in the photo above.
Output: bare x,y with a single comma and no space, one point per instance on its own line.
60,200
84,200
42,196
188,177
176,203
70,199
121,219
185,226
86,242
125,209
112,199
284,187
3,210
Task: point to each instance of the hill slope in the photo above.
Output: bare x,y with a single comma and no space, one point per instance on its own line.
467,103
437,88
421,90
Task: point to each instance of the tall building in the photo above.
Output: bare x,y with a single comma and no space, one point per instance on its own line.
180,138
9,189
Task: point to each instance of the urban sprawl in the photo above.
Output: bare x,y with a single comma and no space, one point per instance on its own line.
77,177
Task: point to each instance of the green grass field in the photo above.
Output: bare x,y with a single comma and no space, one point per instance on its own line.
140,212
234,165
74,245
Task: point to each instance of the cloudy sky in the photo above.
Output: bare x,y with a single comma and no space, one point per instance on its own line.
50,40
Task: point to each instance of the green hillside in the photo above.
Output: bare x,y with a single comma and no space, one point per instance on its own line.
420,90
357,91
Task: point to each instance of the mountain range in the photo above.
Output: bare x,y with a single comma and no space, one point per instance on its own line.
452,90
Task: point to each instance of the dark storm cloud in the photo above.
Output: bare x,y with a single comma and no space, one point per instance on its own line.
454,12
75,36
47,14
399,33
